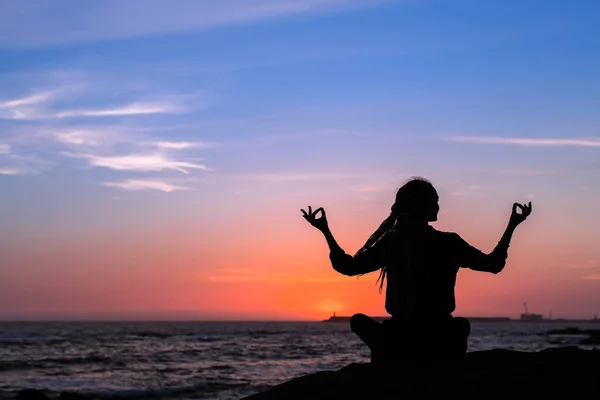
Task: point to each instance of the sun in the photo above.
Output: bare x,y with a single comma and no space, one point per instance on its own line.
329,306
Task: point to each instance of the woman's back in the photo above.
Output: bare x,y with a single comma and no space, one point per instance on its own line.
421,274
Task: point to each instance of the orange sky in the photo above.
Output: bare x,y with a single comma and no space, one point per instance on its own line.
271,264
153,164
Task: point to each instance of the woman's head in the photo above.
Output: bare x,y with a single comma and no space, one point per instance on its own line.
418,200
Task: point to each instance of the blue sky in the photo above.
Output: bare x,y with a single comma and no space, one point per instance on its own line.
144,113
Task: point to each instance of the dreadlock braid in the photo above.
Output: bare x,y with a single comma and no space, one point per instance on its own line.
394,229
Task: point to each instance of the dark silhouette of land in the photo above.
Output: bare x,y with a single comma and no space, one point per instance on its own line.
419,264
556,373
346,319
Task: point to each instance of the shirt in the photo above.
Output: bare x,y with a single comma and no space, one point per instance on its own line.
421,269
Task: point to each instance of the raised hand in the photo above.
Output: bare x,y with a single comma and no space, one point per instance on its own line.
516,218
311,217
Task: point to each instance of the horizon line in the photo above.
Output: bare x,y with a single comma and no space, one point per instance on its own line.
512,319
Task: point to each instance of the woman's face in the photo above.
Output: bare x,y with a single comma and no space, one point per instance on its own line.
432,206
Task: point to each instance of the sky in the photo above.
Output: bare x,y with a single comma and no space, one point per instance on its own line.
155,155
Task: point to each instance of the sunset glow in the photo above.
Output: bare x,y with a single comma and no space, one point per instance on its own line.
155,168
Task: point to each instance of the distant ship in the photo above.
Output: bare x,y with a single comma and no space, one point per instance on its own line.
530,317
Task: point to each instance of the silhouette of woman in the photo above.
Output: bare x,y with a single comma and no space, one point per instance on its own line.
420,265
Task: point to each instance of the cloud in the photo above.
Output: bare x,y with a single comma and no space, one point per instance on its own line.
537,142
368,189
285,177
469,190
325,294
78,137
45,105
181,145
108,135
237,270
526,172
20,108
35,23
99,143
592,277
19,164
12,171
26,101
273,278
139,162
585,264
136,185
140,108
129,109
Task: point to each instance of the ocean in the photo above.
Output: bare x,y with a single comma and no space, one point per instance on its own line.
203,360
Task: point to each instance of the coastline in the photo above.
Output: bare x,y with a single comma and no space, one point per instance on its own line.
345,318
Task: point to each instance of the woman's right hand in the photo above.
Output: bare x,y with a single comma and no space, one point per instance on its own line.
516,218
311,217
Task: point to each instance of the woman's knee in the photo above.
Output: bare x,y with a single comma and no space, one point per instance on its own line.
463,326
358,321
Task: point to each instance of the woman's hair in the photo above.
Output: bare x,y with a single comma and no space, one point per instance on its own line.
407,198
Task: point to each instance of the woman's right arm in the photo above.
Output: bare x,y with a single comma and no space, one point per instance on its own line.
362,263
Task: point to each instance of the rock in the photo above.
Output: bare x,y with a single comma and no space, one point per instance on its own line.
574,331
495,374
567,331
31,394
72,396
592,339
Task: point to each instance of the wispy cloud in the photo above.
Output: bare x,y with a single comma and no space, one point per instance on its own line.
136,185
109,135
469,190
139,108
526,172
285,177
585,264
20,164
369,189
37,23
237,270
182,145
128,109
21,107
54,103
246,274
140,162
591,277
273,278
534,142
36,98
78,137
72,115
12,171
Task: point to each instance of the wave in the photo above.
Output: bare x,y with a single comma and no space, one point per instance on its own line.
203,388
7,365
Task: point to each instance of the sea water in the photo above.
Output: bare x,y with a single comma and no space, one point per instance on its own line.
203,360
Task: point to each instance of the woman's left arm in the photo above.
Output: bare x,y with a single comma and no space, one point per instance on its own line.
495,261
